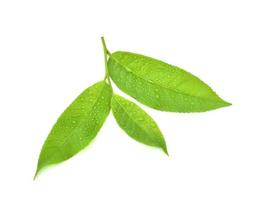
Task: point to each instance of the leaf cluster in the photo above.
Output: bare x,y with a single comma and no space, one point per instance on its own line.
151,82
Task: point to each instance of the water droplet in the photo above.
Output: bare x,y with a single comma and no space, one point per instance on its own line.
128,69
154,125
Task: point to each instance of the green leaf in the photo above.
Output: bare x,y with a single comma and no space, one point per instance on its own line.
137,123
160,85
77,126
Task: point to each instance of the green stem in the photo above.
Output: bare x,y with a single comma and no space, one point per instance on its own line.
106,53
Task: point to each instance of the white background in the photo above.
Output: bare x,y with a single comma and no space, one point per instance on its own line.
50,51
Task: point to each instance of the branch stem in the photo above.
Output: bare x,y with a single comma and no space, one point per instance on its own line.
106,53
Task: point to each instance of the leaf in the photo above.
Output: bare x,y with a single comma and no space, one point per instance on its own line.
77,126
160,85
137,123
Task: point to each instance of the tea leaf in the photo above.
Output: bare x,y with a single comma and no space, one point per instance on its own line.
137,123
77,125
160,85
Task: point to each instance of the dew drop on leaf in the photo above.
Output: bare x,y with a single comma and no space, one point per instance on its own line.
140,119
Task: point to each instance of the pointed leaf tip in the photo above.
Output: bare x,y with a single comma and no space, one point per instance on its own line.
165,150
35,174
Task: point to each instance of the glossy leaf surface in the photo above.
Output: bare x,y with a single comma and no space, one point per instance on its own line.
137,123
77,125
160,85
